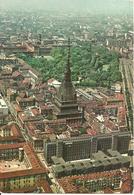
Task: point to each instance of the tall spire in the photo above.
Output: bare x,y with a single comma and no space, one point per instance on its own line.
66,105
69,53
67,90
67,76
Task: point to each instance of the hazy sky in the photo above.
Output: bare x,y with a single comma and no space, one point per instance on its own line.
77,5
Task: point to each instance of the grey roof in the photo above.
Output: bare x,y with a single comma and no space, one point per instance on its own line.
113,153
58,168
88,164
78,166
97,164
69,167
99,156
57,160
106,163
124,159
114,161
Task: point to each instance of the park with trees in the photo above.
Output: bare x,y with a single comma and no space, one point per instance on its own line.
93,66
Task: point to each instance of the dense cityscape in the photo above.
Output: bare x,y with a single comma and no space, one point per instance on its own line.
66,97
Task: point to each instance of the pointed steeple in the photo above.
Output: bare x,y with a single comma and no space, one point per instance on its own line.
67,75
66,106
67,90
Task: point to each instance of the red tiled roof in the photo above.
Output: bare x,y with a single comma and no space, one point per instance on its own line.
15,130
35,111
17,107
31,129
110,125
127,186
16,74
67,182
91,132
45,185
37,167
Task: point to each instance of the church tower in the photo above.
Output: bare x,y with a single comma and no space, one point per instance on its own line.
65,100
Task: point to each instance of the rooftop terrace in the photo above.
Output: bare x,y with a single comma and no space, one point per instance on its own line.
12,165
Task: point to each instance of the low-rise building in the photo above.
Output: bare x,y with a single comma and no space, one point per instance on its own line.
20,167
10,134
97,182
98,163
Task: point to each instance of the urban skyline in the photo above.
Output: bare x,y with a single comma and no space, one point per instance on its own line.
66,96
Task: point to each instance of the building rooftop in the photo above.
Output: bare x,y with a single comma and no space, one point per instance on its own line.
11,131
12,165
57,160
99,156
71,184
91,165
36,166
113,153
40,187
